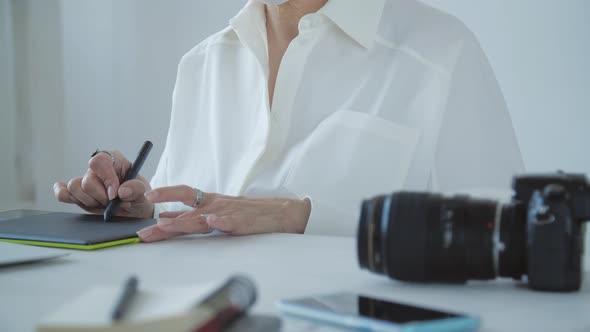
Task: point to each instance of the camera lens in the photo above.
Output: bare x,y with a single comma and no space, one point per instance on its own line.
369,247
428,237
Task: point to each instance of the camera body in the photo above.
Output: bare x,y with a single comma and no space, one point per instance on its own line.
429,237
557,205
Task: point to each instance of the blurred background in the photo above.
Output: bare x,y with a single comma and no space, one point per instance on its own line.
76,75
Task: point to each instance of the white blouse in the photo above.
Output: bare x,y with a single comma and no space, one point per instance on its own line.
371,97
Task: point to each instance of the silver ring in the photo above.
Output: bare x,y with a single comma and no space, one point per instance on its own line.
198,197
104,151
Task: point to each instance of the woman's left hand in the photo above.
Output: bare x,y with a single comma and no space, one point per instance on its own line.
229,214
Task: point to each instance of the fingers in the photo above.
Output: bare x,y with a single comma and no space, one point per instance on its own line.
101,183
155,233
108,172
184,194
75,188
121,165
188,224
177,223
241,216
133,191
94,187
62,194
171,214
238,225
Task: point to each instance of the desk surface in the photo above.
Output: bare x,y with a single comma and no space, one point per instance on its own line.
284,265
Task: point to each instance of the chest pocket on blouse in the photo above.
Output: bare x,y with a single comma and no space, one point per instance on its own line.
351,156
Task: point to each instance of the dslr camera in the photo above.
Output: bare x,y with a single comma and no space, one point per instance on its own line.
426,237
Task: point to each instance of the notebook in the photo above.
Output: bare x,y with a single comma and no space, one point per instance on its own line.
200,308
156,309
72,231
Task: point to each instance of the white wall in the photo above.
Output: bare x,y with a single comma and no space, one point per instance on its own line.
46,99
540,51
34,152
7,108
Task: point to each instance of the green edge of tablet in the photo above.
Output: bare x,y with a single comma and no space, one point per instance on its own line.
75,246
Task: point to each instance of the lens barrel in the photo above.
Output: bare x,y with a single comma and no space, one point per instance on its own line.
370,235
427,237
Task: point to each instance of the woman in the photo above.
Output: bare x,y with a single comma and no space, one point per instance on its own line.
299,109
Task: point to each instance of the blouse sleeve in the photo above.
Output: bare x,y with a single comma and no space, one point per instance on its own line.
185,73
477,147
161,178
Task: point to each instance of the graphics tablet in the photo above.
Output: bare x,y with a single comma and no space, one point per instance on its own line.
72,231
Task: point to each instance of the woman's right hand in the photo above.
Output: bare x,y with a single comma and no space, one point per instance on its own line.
102,183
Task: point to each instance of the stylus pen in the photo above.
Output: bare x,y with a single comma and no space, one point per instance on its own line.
127,294
131,174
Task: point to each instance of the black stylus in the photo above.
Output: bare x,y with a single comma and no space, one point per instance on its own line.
127,294
131,174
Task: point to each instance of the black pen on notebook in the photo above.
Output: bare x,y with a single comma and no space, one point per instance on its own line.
127,294
131,174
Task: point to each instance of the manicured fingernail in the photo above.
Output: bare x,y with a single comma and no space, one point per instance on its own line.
144,234
125,192
152,194
112,193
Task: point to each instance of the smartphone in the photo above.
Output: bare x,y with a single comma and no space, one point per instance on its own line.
369,314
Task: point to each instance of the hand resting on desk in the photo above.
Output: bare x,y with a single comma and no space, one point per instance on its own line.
229,214
234,215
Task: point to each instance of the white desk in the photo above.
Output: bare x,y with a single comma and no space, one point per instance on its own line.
284,265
